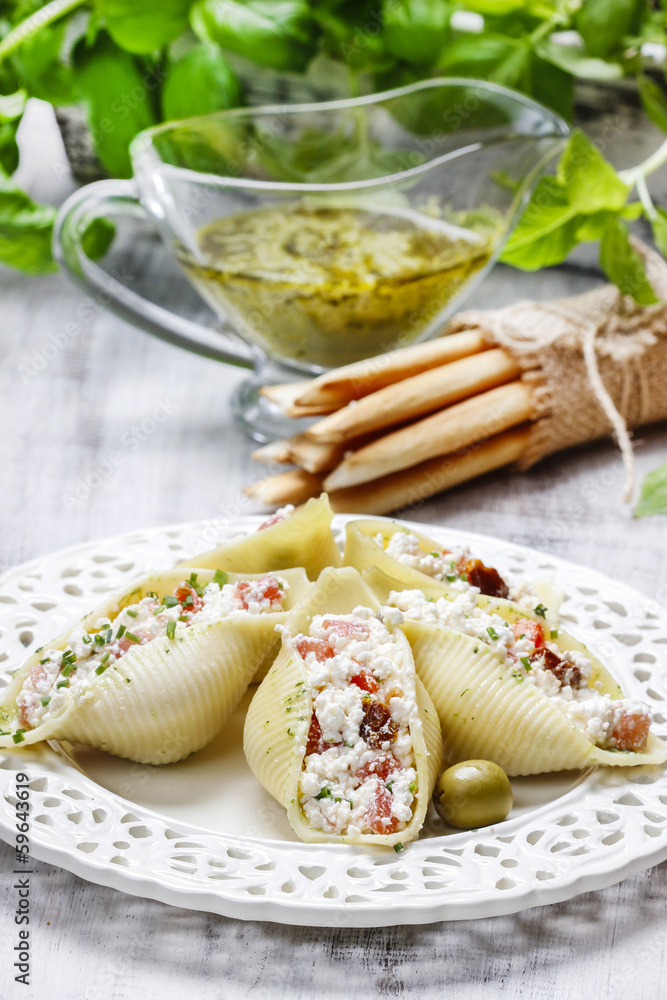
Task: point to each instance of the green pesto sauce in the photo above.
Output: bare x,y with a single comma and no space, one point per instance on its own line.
329,286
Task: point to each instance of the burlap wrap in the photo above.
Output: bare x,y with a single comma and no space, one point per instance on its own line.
597,363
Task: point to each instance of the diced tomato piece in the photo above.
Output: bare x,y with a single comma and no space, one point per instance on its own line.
188,598
382,766
276,519
365,680
271,590
631,732
378,814
320,647
356,630
531,630
315,742
37,673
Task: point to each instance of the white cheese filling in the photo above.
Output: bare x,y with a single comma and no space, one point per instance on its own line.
601,718
358,780
88,654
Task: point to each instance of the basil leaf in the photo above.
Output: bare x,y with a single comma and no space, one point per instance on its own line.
546,232
576,62
11,110
590,182
623,265
552,86
25,231
415,30
142,26
117,94
200,82
603,24
476,55
345,36
97,238
653,496
275,33
42,62
653,101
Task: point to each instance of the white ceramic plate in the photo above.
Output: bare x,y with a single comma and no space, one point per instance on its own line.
203,833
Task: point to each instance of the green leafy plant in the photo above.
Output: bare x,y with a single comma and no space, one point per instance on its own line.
653,496
133,64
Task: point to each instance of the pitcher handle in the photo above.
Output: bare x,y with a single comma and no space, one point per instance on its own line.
108,198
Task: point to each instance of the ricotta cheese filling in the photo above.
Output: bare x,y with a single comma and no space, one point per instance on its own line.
280,515
358,773
89,653
456,567
563,676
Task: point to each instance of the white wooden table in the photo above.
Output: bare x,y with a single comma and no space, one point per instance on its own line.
69,402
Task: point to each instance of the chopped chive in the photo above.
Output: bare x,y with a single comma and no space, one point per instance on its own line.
159,610
18,736
431,600
46,700
106,657
554,633
398,848
170,602
476,649
121,631
100,670
464,692
540,610
62,684
171,629
87,639
325,793
132,614
451,577
193,580
183,618
108,635
220,577
412,787
132,637
151,593
436,555
99,640
47,660
188,600
492,632
388,785
526,662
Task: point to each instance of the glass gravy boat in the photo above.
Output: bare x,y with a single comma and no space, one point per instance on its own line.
322,233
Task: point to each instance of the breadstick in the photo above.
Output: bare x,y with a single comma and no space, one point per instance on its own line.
440,434
275,451
416,396
284,397
295,486
363,377
413,486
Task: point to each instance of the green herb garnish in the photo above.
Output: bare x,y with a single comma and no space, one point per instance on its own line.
170,602
324,793
46,699
540,610
101,668
121,631
171,629
398,848
18,736
526,663
554,633
132,614
492,632
220,577
87,639
62,684
132,637
412,787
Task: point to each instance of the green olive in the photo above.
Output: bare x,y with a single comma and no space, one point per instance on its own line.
473,793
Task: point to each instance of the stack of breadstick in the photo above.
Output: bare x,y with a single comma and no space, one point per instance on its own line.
503,387
400,427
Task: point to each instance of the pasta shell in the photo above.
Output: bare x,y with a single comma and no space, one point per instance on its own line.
363,552
278,720
485,713
304,538
163,700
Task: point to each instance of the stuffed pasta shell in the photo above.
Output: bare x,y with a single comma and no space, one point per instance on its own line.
154,671
510,688
415,560
341,732
290,537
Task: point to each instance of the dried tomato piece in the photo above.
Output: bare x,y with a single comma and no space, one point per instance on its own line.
563,670
631,732
315,742
531,630
357,630
488,579
378,813
381,766
377,726
365,680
